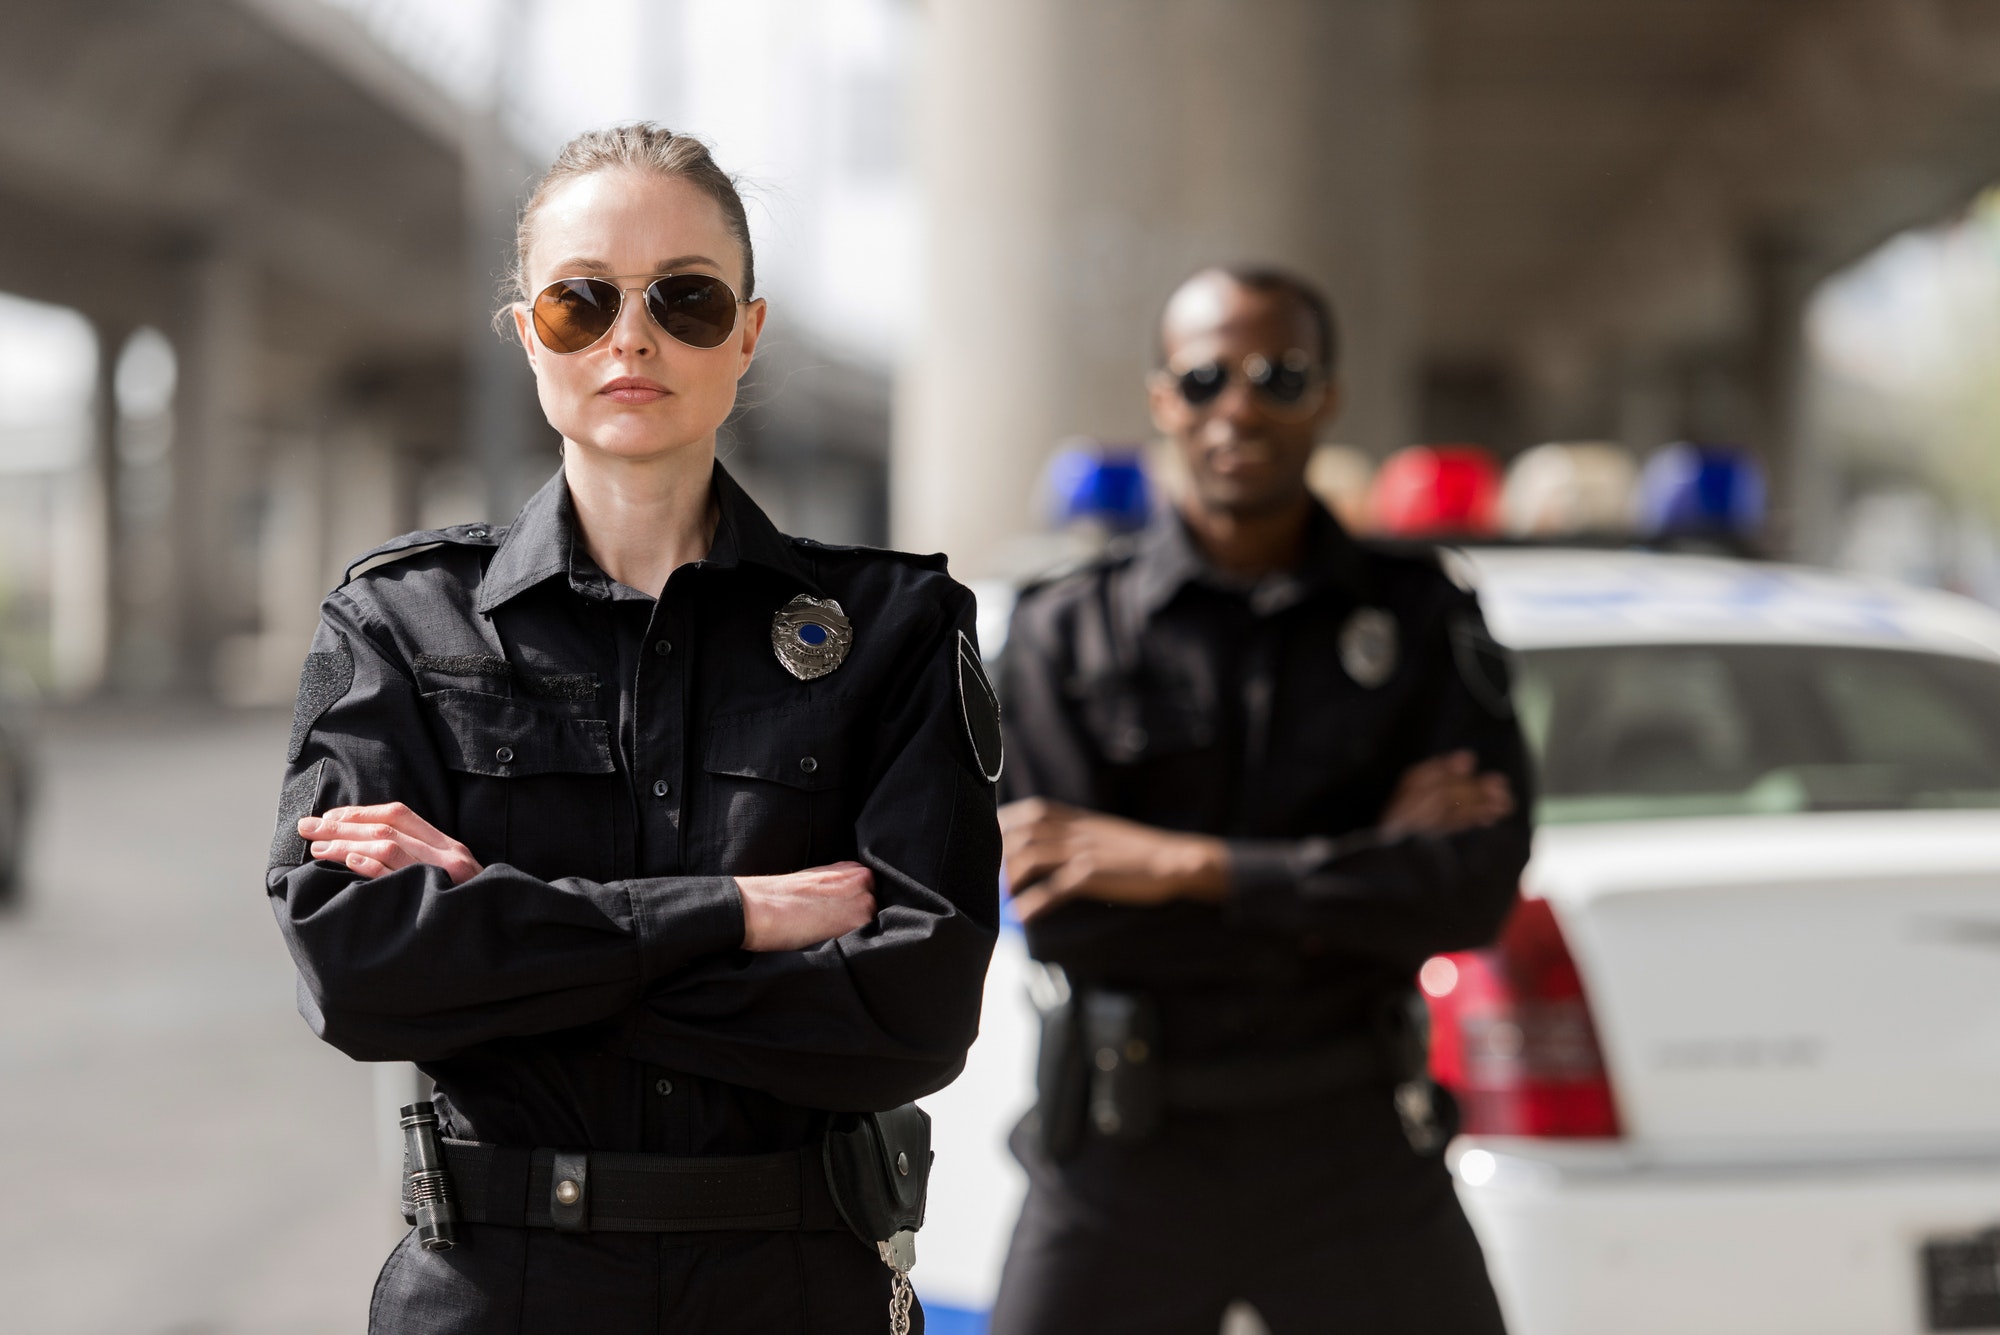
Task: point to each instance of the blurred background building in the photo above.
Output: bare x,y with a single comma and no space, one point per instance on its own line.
249,252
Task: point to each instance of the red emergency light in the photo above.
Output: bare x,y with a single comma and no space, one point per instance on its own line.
1436,491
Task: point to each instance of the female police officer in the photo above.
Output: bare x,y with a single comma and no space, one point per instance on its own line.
653,835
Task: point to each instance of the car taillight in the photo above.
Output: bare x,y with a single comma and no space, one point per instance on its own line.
1511,1034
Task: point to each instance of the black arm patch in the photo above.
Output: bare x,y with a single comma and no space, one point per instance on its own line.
299,797
980,708
1483,665
325,678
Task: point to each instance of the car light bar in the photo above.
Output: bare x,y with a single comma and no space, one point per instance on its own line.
1512,1037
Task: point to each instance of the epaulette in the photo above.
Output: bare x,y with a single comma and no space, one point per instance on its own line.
929,561
1119,551
410,544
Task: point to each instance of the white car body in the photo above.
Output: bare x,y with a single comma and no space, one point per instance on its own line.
1800,1015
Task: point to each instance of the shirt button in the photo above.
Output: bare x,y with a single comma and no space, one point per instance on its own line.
663,647
505,755
660,788
808,764
664,1086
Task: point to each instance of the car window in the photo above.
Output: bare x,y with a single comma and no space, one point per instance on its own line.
1654,731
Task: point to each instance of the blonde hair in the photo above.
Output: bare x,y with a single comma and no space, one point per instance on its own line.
640,146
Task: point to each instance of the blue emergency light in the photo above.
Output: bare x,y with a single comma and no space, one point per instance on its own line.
1104,483
1687,489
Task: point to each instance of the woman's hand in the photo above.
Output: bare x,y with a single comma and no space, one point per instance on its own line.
374,840
804,908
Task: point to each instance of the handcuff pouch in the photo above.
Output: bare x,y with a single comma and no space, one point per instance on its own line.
878,1167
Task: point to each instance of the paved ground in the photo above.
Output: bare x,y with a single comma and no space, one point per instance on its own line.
180,1155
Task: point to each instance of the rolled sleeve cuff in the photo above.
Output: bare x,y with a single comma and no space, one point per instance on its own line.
1264,879
681,918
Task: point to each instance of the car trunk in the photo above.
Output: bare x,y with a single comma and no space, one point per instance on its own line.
1829,978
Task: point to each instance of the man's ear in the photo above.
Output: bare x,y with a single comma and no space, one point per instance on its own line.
1163,397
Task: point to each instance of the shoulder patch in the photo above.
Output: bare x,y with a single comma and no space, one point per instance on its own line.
323,681
410,544
980,708
300,797
1484,665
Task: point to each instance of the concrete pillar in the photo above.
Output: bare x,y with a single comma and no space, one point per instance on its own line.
216,408
146,614
82,571
1080,157
506,434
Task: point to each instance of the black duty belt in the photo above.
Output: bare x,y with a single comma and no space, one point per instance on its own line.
1259,1082
639,1193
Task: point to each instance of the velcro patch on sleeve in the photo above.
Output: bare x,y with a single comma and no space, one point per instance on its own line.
980,708
1483,665
298,798
323,681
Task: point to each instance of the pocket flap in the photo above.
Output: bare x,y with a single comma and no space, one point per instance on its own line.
804,746
486,734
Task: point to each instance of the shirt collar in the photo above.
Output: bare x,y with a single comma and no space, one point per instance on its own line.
542,543
1169,559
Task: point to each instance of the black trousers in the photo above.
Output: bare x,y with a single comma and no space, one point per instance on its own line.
519,1281
1319,1215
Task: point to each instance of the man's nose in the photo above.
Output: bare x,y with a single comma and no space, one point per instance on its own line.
1236,404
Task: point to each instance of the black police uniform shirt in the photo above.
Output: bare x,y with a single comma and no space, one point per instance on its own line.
1278,716
613,761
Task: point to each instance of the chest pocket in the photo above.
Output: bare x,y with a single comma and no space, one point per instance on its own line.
780,788
536,789
1133,723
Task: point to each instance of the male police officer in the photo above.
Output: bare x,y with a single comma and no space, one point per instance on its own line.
1264,772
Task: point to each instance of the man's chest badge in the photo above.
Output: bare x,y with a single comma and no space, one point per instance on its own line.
811,636
1368,646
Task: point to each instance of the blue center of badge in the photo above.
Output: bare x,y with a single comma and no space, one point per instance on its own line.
812,633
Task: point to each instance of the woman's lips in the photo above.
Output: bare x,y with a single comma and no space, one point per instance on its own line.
633,389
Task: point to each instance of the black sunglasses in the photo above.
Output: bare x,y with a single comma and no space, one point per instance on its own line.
1287,385
697,309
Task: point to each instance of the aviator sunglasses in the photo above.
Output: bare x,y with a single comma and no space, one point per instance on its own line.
1288,387
697,309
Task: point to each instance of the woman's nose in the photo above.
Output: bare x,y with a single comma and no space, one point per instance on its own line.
633,331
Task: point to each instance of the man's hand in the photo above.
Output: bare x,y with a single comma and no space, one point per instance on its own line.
1055,853
803,908
374,840
1444,795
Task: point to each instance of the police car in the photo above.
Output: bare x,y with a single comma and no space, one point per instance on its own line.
1735,1063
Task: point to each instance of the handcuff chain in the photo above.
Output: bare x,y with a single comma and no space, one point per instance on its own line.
901,1295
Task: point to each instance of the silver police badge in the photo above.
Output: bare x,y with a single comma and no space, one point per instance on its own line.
811,636
1368,646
